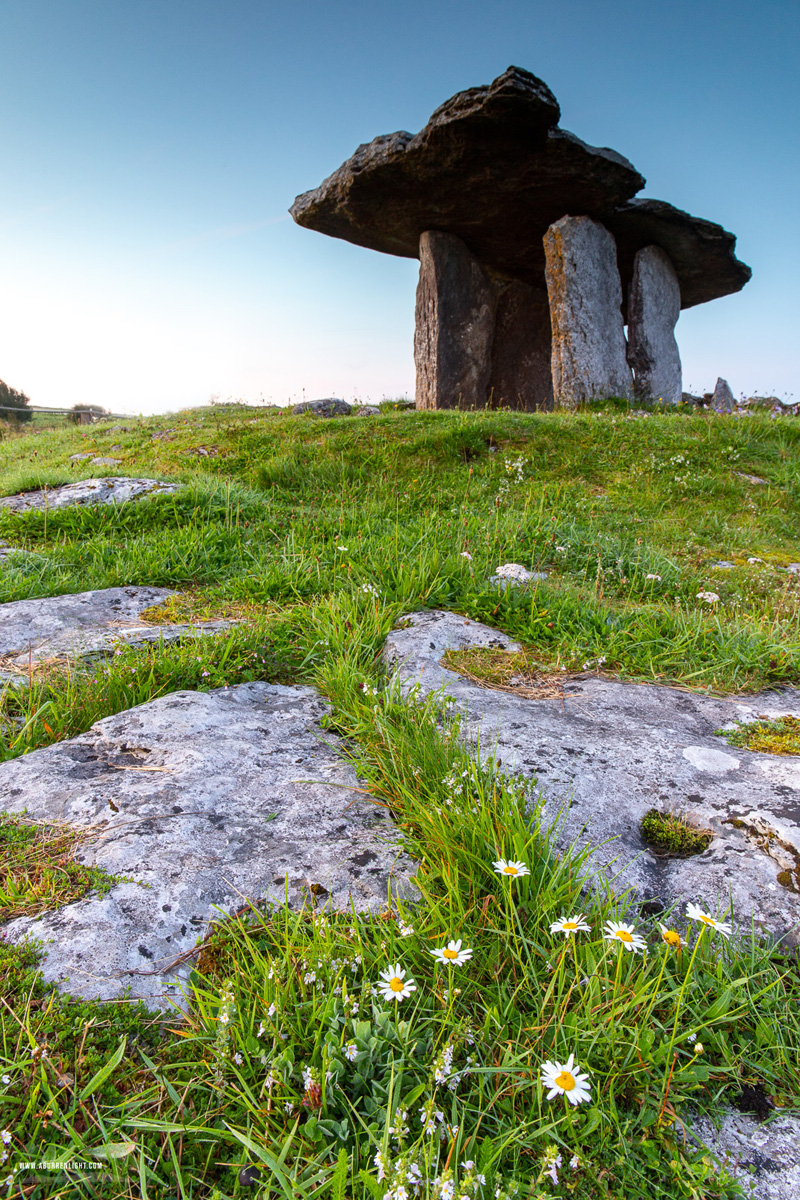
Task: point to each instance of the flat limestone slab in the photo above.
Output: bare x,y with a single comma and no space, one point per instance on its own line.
609,751
111,490
220,796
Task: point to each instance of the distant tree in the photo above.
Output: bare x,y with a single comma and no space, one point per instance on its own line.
74,416
16,402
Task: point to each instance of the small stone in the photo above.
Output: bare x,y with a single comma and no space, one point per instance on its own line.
589,354
793,568
723,399
366,410
108,490
515,575
106,462
329,407
724,564
654,305
79,457
750,478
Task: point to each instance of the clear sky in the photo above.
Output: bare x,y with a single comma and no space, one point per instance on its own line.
151,149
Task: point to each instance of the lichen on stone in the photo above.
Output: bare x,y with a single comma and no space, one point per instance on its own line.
671,833
780,736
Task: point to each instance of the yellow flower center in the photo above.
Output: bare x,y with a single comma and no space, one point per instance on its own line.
623,935
449,954
565,1080
707,920
570,925
396,984
672,938
510,870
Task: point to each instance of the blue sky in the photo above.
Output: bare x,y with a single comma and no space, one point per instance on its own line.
151,149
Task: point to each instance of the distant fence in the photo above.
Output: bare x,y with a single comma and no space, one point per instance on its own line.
83,418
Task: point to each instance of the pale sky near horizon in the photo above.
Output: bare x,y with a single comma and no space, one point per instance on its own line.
151,150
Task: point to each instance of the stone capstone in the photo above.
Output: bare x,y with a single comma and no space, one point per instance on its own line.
202,800
329,407
85,625
588,347
654,305
88,491
606,752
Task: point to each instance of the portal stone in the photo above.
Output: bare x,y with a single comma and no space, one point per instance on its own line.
723,399
588,352
654,305
521,376
454,331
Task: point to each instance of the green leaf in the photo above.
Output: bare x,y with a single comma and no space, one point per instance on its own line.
104,1072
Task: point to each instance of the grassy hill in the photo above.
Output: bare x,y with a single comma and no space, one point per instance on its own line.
318,535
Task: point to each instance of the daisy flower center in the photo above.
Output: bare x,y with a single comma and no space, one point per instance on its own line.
565,1080
708,920
623,935
510,871
570,925
449,954
396,984
671,937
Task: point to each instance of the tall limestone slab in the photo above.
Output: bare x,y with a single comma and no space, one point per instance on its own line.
589,351
520,377
654,305
454,332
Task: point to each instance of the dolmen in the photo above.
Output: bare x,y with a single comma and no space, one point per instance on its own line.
534,253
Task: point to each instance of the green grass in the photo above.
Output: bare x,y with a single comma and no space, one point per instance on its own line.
317,536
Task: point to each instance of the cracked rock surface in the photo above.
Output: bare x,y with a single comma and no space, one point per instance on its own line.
84,625
87,491
764,1158
606,752
217,796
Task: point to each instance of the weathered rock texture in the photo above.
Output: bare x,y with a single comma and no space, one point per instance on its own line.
87,491
723,399
588,352
493,169
609,751
329,407
520,375
454,325
654,305
217,798
764,1158
85,625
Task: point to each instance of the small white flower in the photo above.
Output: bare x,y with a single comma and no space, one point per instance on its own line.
224,1018
405,930
574,1162
271,1010
466,554
452,954
6,1137
692,1037
342,548
393,984
237,1058
507,867
709,597
564,1079
570,926
351,1052
625,934
650,575
696,914
260,1030
5,1079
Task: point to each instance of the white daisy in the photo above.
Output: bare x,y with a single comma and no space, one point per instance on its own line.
507,867
394,985
564,1079
616,932
670,936
570,925
452,954
694,913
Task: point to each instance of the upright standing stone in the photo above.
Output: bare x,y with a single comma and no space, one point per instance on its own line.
521,376
723,400
654,305
588,355
454,325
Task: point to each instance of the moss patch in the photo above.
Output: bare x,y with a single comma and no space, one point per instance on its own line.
670,833
781,736
505,671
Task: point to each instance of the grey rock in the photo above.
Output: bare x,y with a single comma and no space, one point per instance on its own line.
609,751
515,575
521,350
220,797
88,491
86,625
455,312
723,398
366,410
588,354
793,568
106,462
750,478
329,407
654,305
724,564
79,457
764,1157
